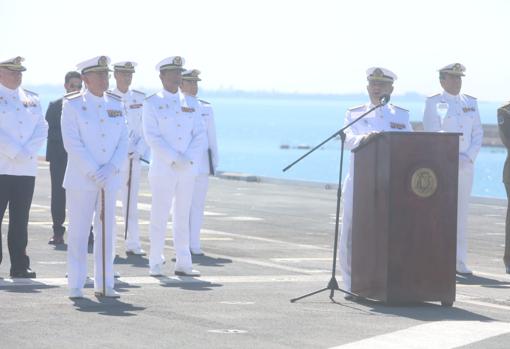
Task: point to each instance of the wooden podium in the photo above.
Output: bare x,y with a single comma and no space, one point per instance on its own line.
404,227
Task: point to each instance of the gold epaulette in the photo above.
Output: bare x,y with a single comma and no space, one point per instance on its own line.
32,93
152,95
434,95
72,95
139,92
469,96
113,95
205,102
356,107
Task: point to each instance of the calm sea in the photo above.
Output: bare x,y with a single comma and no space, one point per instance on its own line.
252,130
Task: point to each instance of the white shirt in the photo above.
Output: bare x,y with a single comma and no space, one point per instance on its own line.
206,113
172,129
23,131
94,133
133,105
384,119
462,116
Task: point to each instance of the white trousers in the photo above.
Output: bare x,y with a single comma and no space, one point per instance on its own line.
466,172
83,208
177,190
345,249
196,217
133,234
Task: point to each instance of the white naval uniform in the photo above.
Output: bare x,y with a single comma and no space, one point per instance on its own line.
133,105
386,118
172,129
463,117
23,131
94,133
202,180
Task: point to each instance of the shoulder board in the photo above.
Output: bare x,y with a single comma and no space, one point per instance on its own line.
434,95
113,95
139,92
469,96
396,106
357,107
67,95
205,102
152,95
30,92
72,95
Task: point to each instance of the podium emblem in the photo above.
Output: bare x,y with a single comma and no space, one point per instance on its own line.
424,182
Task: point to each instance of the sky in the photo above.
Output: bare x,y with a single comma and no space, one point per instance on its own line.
318,46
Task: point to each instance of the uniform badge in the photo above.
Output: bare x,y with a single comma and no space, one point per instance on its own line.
114,113
29,103
397,125
135,106
468,109
187,110
160,107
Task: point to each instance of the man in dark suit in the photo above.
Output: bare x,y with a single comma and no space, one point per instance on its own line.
57,157
504,133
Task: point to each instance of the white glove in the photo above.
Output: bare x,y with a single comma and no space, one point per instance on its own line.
368,137
134,155
183,160
104,173
23,155
464,160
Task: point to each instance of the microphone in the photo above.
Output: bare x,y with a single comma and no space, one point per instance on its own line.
384,99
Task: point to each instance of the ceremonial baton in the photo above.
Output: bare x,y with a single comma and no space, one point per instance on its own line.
126,223
103,228
211,167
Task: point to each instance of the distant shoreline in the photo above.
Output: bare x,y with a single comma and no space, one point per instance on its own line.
490,134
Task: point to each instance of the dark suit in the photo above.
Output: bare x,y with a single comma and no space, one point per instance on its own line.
57,157
504,134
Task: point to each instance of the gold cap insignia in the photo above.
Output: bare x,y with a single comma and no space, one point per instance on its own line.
177,60
128,65
102,61
18,60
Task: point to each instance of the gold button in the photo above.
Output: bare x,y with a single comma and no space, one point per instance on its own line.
104,150
21,137
20,122
102,120
99,106
17,109
102,135
179,138
178,125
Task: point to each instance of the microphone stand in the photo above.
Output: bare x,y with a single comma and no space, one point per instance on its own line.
333,283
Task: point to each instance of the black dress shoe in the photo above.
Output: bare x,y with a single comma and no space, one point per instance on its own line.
26,274
350,297
56,240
